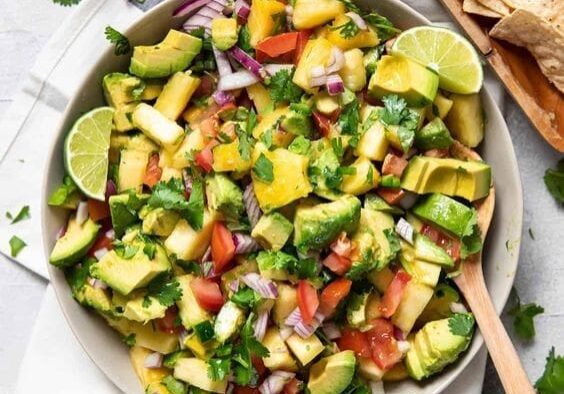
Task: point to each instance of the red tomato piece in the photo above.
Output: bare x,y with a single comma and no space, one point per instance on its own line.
322,123
342,245
167,323
102,242
384,348
392,195
207,293
153,172
204,159
280,47
440,153
394,292
259,365
98,210
356,341
303,38
333,294
308,302
450,245
246,390
338,264
294,386
393,165
209,127
222,246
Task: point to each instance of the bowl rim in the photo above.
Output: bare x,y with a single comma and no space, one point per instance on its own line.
447,379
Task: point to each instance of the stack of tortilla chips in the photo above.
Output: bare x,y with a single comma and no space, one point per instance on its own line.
537,25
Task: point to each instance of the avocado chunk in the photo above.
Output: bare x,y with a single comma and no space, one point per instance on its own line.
398,75
160,222
190,312
298,120
224,196
272,231
434,135
176,94
456,178
317,226
373,238
157,127
434,347
323,166
364,178
305,349
332,375
195,372
224,33
279,356
448,214
138,307
74,245
118,88
188,244
228,321
439,306
127,274
422,271
356,309
124,210
144,334
82,291
173,54
465,119
374,202
427,250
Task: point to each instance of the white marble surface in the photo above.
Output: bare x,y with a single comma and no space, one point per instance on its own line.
25,25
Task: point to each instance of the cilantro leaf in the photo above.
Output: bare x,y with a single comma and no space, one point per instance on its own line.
170,195
552,380
394,107
125,250
393,241
282,89
461,324
300,145
249,340
219,368
523,318
66,3
195,209
359,268
166,291
347,30
23,214
263,169
174,386
129,340
204,331
396,113
351,6
554,181
350,118
244,41
63,192
122,45
384,28
16,246
78,275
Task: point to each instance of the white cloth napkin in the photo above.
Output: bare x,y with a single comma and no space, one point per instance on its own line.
54,361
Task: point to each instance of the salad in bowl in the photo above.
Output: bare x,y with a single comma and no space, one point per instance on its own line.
273,200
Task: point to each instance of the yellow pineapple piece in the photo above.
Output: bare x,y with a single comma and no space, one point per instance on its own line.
194,141
269,122
353,73
312,13
260,97
262,19
138,354
226,157
363,38
316,53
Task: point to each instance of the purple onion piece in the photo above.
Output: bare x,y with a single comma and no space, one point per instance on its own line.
274,384
111,189
234,285
251,205
248,62
189,7
222,97
153,360
335,85
207,255
331,330
261,325
244,243
293,318
223,65
264,287
242,9
357,19
82,212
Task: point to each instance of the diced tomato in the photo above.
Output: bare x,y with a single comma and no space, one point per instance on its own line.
453,249
338,264
307,300
153,172
294,386
102,242
440,153
207,293
385,352
222,246
303,38
394,292
281,47
209,127
98,210
204,158
393,165
322,123
342,245
245,390
333,294
392,195
450,245
355,340
168,322
259,365
226,110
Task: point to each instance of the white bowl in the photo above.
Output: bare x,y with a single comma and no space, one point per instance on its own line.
104,346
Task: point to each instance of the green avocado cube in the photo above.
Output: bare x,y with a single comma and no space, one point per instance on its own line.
224,196
224,33
434,135
332,374
272,231
297,122
74,245
118,88
160,222
427,250
138,307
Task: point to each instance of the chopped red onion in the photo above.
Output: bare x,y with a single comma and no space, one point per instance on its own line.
207,268
286,332
207,255
153,360
205,15
335,85
223,65
306,330
182,337
237,80
242,9
234,285
100,253
189,6
405,230
111,234
222,97
244,243
99,285
248,62
331,330
61,232
399,335
403,346
342,245
251,205
187,182
264,287
293,318
111,189
408,200
289,10
377,387
82,212
260,325
317,76
357,19
274,384
337,61
457,307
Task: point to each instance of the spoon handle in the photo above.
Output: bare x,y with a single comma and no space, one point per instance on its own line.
501,349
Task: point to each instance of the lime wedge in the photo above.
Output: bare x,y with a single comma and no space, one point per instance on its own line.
446,52
86,151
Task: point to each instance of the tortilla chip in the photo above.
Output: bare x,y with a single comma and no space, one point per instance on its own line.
551,10
473,7
541,38
496,5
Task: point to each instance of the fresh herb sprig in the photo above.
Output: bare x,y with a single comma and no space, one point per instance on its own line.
121,42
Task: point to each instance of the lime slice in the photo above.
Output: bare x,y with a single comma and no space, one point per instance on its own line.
86,151
446,52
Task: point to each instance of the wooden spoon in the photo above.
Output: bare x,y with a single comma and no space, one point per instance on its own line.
472,285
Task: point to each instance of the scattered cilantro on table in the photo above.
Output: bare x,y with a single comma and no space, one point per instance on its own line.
23,214
554,181
552,380
16,246
66,3
121,42
523,315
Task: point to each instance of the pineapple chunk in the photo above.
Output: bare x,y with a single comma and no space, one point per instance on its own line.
279,357
381,279
158,127
353,73
373,143
170,173
305,349
270,122
316,53
290,178
176,94
369,370
414,300
263,19
194,141
138,354
187,243
366,177
363,39
441,106
260,97
313,13
132,167
226,157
